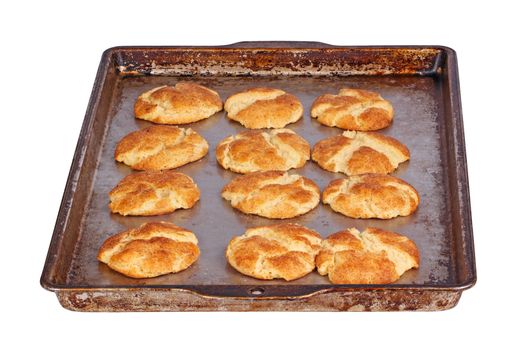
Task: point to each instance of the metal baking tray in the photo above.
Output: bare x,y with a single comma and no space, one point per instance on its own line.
423,86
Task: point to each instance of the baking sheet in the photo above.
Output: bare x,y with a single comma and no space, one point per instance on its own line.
421,83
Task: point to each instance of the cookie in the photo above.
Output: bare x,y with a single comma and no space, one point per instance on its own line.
153,193
253,150
355,153
373,256
353,109
184,103
284,251
151,250
371,196
160,147
263,108
272,194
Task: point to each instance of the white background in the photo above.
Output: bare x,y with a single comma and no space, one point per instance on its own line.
49,57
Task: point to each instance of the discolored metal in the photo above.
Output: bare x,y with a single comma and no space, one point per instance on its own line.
421,83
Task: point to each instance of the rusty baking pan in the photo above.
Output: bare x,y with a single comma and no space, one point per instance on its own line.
423,86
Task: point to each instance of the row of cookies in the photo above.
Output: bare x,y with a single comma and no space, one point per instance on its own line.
166,147
272,194
285,251
262,107
279,195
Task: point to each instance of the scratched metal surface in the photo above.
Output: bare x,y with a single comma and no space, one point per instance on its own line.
418,123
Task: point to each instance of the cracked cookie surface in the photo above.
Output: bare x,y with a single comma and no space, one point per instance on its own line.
373,256
160,147
371,196
284,251
254,150
355,153
181,104
153,193
263,107
153,249
272,194
353,109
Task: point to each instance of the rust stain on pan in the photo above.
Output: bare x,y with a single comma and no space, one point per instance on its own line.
266,61
422,84
182,300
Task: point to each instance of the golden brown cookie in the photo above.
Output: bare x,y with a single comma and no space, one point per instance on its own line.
160,147
373,256
153,193
272,194
371,196
184,103
153,249
279,251
353,109
355,153
253,150
264,108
